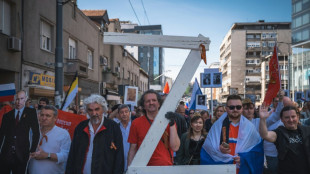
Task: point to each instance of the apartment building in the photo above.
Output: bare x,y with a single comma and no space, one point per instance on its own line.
10,42
244,48
300,58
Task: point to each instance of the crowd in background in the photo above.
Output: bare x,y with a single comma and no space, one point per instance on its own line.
109,139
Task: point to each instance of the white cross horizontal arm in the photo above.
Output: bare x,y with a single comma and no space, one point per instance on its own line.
160,123
185,169
182,42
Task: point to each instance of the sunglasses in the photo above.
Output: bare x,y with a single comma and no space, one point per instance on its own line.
238,107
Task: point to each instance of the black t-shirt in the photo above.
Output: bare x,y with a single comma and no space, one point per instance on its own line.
295,160
194,150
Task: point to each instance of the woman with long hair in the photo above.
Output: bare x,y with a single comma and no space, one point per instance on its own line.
216,115
191,142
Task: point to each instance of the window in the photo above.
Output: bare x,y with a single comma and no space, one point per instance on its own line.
305,19
5,17
103,61
72,49
250,36
305,34
267,68
281,67
297,7
46,35
271,44
90,59
141,54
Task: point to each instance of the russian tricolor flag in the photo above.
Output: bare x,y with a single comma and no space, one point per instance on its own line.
7,92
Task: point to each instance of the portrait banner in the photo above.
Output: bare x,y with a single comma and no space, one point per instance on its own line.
131,95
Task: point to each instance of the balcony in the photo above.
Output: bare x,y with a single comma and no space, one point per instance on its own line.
76,65
255,73
252,64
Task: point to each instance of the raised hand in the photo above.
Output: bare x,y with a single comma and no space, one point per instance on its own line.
263,112
281,94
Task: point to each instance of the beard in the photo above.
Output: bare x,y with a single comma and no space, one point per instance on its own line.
94,119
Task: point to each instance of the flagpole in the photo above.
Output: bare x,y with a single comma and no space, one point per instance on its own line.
211,101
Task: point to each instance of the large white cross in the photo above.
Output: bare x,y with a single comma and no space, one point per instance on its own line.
143,155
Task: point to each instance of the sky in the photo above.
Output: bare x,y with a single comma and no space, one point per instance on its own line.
211,18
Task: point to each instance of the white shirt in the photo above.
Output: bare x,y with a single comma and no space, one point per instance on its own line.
87,166
269,148
58,141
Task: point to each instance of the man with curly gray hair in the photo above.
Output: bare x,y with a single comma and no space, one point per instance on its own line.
97,144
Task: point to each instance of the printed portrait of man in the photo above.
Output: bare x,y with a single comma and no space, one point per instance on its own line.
217,78
207,79
131,94
201,100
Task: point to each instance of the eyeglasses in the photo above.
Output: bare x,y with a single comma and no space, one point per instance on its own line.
238,107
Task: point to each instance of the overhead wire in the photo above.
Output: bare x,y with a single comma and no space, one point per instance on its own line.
134,12
145,12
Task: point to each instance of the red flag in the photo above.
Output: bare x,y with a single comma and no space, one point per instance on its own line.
69,121
274,76
166,88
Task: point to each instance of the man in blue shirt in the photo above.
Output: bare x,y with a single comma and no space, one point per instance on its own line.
125,123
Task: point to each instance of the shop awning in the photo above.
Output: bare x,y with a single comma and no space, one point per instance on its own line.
42,92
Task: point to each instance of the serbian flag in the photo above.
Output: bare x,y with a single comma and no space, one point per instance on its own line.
73,90
69,121
7,92
166,88
275,76
249,147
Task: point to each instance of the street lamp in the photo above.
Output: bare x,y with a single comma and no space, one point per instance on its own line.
161,74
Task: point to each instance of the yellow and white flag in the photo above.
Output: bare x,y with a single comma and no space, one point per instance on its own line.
71,94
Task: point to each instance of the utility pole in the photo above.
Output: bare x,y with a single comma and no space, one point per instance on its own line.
59,72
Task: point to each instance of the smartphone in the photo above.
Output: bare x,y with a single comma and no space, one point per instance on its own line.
225,145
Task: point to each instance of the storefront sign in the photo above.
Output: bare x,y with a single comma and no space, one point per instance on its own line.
41,79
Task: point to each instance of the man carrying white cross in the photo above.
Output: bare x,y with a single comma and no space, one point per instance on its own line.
169,143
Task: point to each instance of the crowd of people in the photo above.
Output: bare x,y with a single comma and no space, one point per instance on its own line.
267,139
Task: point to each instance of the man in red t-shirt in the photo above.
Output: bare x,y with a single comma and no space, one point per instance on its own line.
162,156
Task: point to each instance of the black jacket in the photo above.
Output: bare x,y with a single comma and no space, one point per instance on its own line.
181,125
106,158
282,145
28,120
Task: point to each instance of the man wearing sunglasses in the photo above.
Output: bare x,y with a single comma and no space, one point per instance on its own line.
234,139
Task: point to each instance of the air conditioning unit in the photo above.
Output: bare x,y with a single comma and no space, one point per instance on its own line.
14,44
117,69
